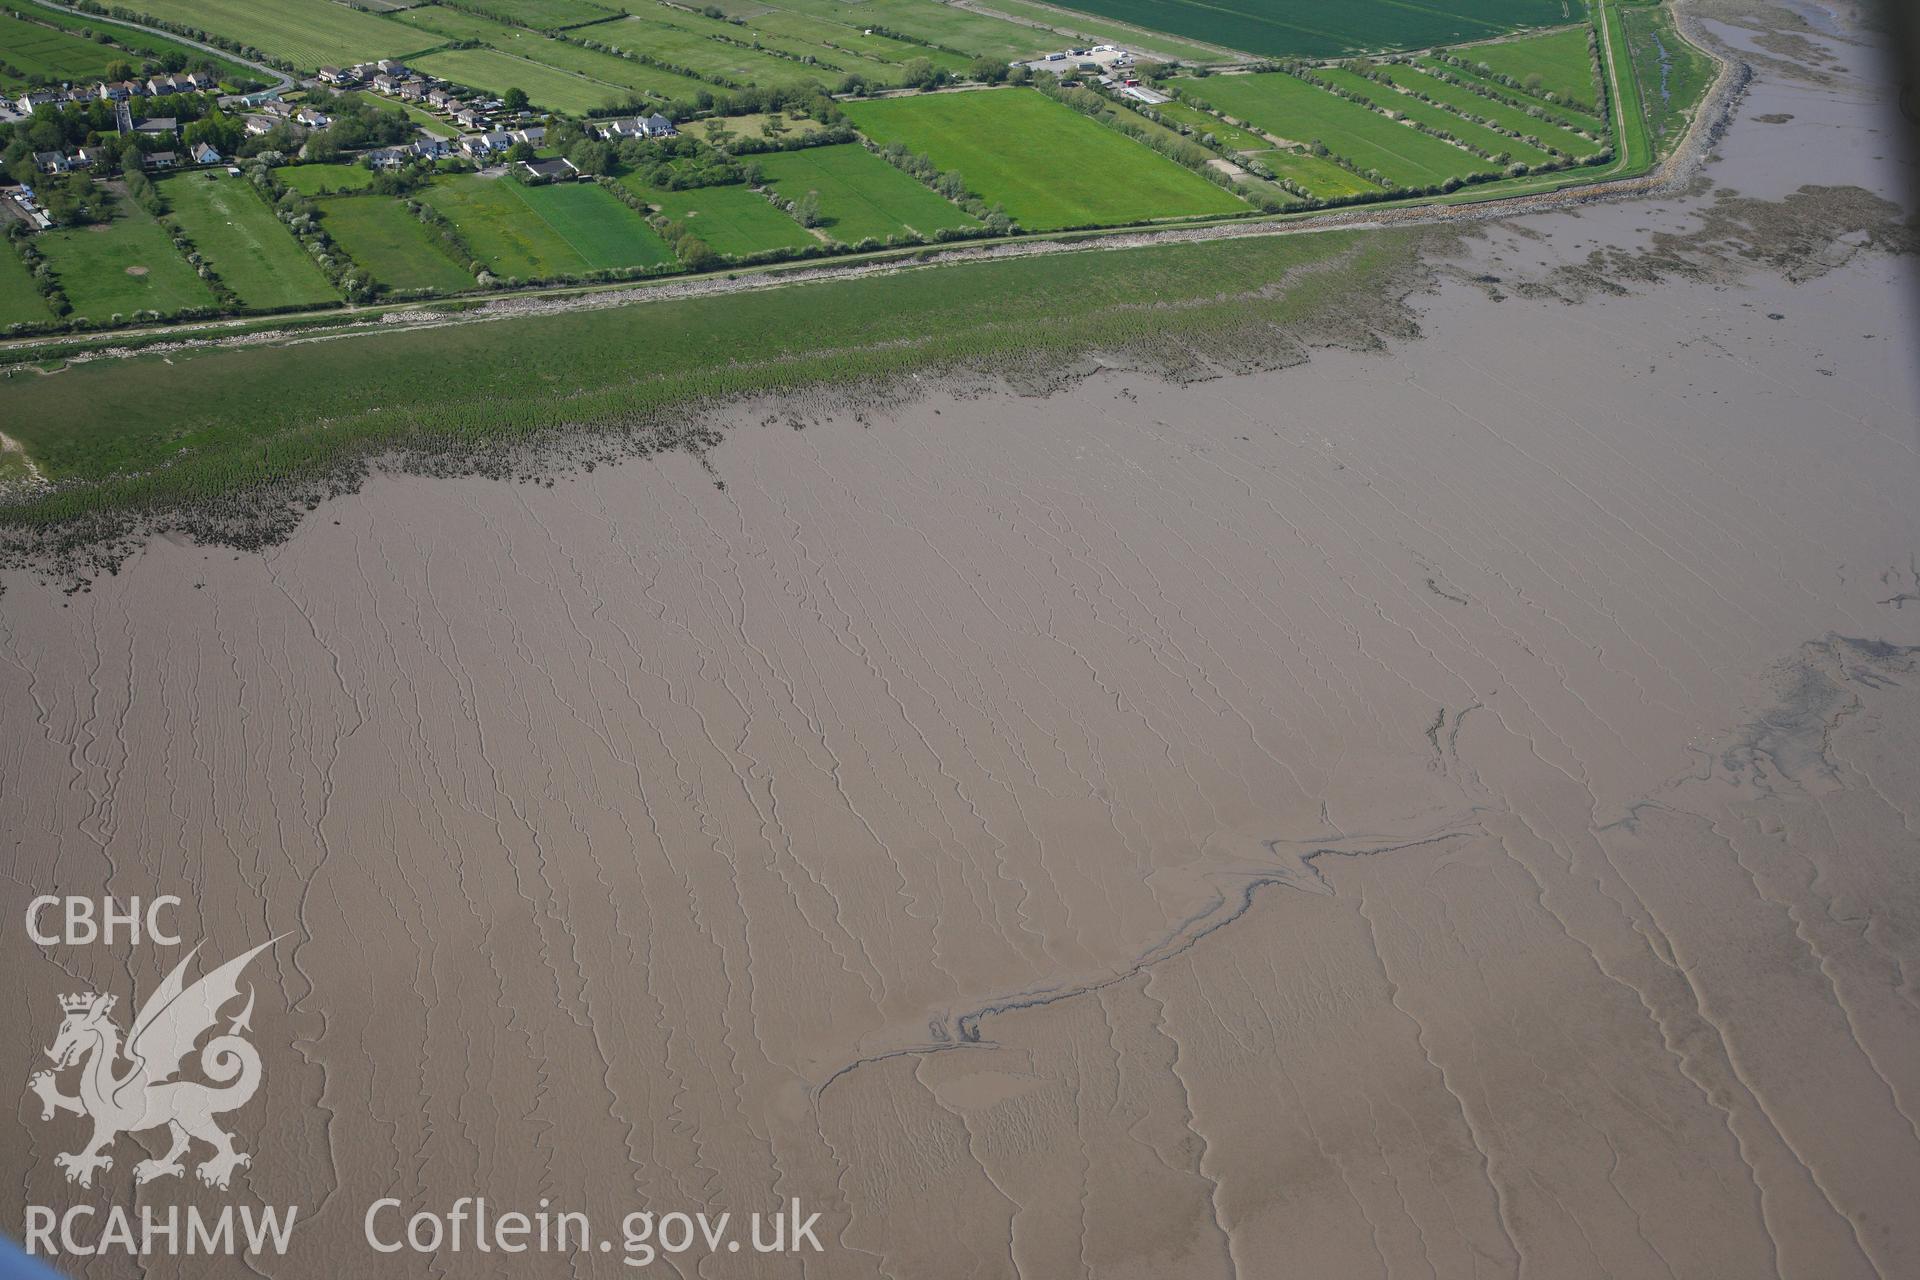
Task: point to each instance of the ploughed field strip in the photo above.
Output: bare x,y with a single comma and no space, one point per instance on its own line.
861,196
1046,164
1330,28
732,219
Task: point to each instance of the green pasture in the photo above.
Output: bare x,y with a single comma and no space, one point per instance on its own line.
1045,163
861,195
234,230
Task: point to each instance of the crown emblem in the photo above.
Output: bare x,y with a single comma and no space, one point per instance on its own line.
82,1001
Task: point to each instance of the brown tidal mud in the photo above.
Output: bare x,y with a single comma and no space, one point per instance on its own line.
1442,808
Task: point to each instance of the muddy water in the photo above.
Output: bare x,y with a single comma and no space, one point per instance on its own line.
1443,811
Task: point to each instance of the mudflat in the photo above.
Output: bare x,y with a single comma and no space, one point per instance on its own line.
1445,808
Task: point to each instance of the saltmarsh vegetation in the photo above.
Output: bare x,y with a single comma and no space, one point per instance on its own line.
230,440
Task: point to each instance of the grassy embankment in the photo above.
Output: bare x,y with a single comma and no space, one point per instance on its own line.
200,424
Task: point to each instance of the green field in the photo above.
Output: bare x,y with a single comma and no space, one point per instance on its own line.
136,46
572,91
848,47
1290,108
942,25
323,179
20,302
307,33
861,195
1046,164
1085,29
1559,58
545,15
733,219
688,40
1388,99
596,225
253,252
1584,116
536,232
1329,28
390,244
52,55
1231,136
1501,113
230,417
122,266
1321,177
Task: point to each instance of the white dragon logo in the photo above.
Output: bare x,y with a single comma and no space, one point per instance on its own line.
146,1095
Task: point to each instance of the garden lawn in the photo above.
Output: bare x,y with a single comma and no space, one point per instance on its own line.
390,244
20,301
122,266
1046,164
1290,108
251,250
732,219
861,195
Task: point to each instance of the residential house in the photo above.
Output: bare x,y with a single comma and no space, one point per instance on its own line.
335,76
89,157
52,161
481,145
161,160
439,99
532,137
311,118
205,153
550,170
38,98
257,125
158,126
157,85
653,126
384,83
469,119
119,91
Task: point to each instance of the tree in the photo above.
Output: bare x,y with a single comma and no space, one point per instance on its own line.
119,70
987,70
807,209
917,73
694,252
520,151
1533,82
515,99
